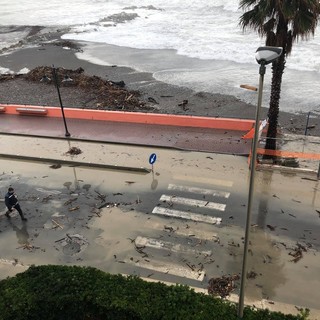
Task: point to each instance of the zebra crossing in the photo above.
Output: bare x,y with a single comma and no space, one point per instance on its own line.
171,200
182,202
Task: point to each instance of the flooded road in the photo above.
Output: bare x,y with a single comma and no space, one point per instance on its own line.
182,222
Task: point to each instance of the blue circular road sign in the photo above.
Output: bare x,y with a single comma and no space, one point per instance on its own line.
152,158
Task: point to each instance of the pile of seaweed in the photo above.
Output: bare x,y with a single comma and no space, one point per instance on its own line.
102,94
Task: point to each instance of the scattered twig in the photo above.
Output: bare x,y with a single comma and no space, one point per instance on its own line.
57,224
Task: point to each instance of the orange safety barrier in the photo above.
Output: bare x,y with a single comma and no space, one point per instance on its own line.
289,154
139,117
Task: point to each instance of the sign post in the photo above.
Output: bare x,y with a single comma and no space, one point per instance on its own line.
152,159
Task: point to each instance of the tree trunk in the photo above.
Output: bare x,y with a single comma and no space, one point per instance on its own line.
277,71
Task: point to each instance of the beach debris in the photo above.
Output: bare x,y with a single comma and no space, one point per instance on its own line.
183,103
47,198
248,87
86,187
68,45
108,205
28,246
74,151
297,252
251,275
150,99
272,228
55,166
56,224
287,162
70,201
169,229
120,84
222,286
101,196
267,259
100,93
74,208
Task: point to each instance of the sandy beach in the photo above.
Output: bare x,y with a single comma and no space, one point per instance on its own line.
45,48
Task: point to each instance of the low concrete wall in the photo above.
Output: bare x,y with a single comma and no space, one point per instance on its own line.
138,117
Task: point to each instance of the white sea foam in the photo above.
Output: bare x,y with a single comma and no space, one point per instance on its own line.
207,48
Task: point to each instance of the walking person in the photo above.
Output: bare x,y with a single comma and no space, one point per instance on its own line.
11,202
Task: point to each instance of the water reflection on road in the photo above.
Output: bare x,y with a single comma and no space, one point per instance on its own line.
110,209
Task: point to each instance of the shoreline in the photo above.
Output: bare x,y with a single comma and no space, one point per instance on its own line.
50,50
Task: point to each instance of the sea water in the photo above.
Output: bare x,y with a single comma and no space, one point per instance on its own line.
197,44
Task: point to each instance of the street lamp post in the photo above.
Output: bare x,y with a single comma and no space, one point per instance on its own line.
264,56
67,134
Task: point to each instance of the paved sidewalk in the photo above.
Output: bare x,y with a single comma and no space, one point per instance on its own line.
179,137
306,149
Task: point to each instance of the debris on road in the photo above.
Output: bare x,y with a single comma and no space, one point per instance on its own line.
222,286
70,201
55,166
297,252
56,224
74,151
74,208
251,275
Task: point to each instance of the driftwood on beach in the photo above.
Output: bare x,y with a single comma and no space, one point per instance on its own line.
105,94
100,93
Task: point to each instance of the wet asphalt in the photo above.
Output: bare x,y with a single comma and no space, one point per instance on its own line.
108,207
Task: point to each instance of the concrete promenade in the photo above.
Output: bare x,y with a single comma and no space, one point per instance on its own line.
217,135
180,132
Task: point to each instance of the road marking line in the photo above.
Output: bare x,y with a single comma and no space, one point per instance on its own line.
186,215
218,182
158,244
193,202
170,269
190,232
214,193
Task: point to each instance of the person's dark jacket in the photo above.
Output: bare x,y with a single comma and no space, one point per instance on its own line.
10,200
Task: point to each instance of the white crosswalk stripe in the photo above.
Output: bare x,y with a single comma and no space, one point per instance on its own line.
196,190
159,244
193,202
190,239
170,269
186,215
211,181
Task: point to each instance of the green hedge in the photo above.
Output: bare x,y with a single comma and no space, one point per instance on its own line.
72,292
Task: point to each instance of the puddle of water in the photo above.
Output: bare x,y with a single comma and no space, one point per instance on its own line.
44,193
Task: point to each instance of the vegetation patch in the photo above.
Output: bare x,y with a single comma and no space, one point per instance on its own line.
73,292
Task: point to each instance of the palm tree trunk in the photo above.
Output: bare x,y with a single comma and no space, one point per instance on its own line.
277,71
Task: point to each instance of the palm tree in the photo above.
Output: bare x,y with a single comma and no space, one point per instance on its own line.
282,22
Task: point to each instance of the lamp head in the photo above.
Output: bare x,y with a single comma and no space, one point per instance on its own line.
268,54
